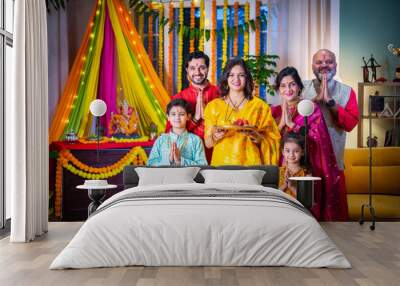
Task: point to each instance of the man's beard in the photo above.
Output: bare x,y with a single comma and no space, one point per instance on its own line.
329,75
199,82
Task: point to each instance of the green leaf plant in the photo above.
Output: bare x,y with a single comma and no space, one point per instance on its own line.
262,69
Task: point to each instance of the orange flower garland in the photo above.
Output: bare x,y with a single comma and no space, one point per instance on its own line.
102,171
192,19
87,141
58,186
161,44
180,46
136,156
246,32
225,40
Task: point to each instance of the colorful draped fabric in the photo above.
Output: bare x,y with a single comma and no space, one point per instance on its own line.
330,204
238,149
190,146
112,64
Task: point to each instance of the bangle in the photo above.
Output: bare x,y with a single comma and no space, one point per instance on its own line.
195,121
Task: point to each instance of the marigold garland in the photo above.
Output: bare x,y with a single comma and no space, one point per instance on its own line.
180,46
58,186
88,141
161,46
192,22
114,139
213,40
136,156
246,32
201,38
236,22
130,140
170,51
225,40
257,48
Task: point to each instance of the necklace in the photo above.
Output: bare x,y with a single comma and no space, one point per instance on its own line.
294,173
236,106
230,108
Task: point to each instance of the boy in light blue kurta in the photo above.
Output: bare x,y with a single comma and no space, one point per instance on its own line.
177,147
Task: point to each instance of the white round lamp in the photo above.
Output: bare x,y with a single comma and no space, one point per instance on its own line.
305,107
98,107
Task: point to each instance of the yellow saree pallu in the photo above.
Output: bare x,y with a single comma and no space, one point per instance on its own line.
238,149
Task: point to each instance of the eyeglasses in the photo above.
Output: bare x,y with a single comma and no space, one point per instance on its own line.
239,75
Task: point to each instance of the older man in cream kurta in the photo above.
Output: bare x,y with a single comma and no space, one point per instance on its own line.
339,105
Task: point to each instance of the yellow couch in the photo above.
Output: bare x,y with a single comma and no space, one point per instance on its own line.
385,181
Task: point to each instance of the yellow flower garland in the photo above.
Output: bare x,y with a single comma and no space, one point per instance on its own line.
161,45
213,41
170,51
225,40
201,38
136,156
180,46
130,140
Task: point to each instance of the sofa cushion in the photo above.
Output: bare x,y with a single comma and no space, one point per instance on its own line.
386,207
385,170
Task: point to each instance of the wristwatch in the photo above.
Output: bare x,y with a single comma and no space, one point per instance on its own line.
331,103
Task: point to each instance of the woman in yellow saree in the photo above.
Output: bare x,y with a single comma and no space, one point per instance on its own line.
238,125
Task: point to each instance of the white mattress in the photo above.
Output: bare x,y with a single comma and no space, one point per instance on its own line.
183,231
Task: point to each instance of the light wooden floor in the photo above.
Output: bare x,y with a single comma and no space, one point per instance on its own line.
375,256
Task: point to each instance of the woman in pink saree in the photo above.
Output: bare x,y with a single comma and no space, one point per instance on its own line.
330,195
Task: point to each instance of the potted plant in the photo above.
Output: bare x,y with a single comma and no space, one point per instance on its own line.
262,68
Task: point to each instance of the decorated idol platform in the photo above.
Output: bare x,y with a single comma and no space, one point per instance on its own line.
113,66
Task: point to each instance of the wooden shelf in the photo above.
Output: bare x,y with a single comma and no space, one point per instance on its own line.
363,102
